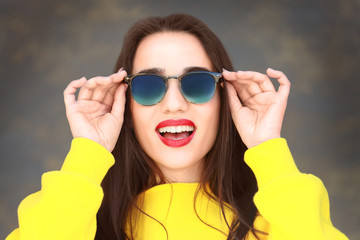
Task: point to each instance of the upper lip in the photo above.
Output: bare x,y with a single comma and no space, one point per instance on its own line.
175,122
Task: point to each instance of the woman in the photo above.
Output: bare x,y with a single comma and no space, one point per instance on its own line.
177,125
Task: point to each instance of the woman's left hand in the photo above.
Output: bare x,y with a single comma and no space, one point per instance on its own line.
256,107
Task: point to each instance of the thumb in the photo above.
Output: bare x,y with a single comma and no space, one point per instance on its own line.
234,101
118,107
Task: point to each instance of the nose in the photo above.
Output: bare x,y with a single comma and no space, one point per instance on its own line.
174,101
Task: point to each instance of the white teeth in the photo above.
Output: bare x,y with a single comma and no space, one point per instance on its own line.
176,129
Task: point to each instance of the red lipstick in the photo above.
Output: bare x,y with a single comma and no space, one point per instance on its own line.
174,123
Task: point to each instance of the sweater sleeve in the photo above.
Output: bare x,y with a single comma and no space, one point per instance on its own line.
67,204
296,205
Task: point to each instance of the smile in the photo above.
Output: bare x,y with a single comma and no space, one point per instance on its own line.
176,132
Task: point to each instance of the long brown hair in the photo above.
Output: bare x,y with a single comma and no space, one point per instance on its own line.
230,180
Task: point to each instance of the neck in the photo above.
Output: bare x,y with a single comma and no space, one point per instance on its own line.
185,175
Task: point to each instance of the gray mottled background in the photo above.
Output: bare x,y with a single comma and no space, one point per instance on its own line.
46,44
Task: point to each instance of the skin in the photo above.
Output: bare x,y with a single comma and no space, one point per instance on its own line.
173,53
257,110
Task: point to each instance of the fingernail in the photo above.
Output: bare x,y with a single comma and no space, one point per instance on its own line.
224,70
122,68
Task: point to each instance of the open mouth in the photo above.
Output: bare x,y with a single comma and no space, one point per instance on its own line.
176,133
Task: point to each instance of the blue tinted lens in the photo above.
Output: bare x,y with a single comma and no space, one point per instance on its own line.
148,89
198,87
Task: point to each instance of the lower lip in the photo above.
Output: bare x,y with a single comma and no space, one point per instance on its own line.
176,143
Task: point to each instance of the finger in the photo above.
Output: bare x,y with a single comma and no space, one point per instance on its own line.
248,86
262,80
234,101
69,92
243,92
103,85
119,76
284,88
97,87
109,97
92,107
106,90
244,88
87,90
119,102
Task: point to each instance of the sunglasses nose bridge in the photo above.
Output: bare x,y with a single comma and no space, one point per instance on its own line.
173,99
172,77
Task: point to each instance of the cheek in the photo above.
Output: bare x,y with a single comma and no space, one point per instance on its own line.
212,111
142,127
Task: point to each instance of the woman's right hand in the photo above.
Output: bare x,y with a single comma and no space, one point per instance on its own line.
98,113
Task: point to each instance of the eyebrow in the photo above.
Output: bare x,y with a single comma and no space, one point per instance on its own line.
152,70
186,70
196,69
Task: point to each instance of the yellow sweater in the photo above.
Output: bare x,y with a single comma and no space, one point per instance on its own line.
292,205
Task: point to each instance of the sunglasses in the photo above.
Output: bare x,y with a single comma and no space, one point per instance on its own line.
149,88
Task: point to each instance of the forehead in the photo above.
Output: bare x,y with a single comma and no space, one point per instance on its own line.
171,51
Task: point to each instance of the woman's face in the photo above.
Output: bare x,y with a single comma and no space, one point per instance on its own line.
178,155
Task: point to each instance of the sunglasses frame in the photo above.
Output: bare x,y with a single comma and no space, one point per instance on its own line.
217,78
